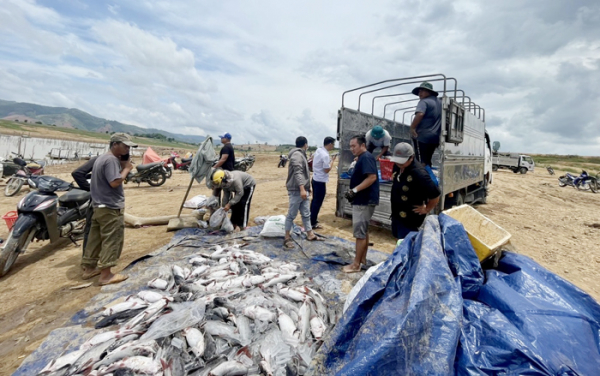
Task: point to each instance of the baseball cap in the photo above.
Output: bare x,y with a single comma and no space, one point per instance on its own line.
124,138
225,135
402,152
377,132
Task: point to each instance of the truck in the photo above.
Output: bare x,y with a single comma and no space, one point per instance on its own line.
512,161
461,163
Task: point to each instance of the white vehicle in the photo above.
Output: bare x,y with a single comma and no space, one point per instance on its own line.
513,161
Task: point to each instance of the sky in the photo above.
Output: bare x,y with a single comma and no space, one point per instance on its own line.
270,71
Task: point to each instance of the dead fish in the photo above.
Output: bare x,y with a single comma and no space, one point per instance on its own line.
195,340
150,296
86,362
288,328
159,284
63,361
135,303
317,327
258,313
219,329
304,321
138,364
198,260
230,368
294,295
117,318
281,278
128,350
107,336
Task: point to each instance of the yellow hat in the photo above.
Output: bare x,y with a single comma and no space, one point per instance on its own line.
217,177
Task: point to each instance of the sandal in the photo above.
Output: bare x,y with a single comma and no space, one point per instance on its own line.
289,244
349,269
315,239
117,278
317,226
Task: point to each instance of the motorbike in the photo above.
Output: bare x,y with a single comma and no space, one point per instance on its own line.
282,161
151,173
184,165
550,170
44,216
245,163
26,170
582,182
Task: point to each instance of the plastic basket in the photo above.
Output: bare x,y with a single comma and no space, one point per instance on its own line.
10,218
485,236
387,167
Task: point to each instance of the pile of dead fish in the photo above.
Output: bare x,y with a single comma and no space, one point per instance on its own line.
224,312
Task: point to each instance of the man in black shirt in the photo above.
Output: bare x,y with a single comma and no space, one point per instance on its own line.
227,156
414,194
81,176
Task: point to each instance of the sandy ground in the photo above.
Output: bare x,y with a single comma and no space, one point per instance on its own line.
550,224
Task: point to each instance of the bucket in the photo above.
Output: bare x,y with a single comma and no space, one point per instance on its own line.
10,218
387,167
485,236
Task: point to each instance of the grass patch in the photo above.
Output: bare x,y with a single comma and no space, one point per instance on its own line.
7,124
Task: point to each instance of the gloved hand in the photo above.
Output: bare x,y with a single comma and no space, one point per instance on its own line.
350,195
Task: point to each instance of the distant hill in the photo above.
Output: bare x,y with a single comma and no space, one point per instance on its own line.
74,118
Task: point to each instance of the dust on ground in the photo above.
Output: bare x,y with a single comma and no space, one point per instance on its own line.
552,225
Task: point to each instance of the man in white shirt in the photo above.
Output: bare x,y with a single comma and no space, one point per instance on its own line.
322,164
377,137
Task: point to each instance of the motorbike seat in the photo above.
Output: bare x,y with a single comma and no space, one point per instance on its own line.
76,196
142,167
186,160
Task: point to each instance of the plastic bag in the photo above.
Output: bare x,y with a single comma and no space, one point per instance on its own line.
227,226
274,227
216,219
359,285
212,202
195,202
184,315
260,220
202,224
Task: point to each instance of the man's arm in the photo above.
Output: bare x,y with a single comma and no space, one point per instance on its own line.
383,151
127,167
413,127
371,178
330,165
221,161
424,209
297,165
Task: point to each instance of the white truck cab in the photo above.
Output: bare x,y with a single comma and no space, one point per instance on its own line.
517,163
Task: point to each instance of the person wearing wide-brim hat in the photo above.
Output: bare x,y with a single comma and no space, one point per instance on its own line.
426,127
414,193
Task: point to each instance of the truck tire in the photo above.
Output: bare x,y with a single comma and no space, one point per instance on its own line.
515,170
494,167
523,170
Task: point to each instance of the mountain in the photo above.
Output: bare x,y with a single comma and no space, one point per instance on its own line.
74,118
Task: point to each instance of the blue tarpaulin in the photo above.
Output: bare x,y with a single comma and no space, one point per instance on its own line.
431,310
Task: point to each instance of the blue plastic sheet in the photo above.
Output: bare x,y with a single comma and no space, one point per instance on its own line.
406,318
431,310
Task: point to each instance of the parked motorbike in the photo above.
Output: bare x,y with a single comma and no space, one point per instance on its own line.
27,169
184,165
43,215
550,170
151,173
282,161
582,182
244,164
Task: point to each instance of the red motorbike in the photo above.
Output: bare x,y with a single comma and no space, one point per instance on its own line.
21,177
183,165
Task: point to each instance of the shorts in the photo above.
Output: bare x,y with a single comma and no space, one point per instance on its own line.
400,230
361,216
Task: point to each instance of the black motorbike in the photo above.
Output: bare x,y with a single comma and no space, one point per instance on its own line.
151,173
550,170
245,163
43,215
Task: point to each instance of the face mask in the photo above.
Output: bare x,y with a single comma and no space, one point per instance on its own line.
125,157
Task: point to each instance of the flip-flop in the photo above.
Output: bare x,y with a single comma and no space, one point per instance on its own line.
348,269
289,244
317,226
315,239
91,274
117,278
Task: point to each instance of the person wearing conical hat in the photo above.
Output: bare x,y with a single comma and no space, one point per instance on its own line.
427,124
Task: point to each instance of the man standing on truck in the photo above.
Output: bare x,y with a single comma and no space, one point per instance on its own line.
427,124
241,185
414,194
377,137
107,234
364,196
298,187
322,164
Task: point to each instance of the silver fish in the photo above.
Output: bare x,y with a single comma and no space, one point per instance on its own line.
62,362
138,364
195,340
231,368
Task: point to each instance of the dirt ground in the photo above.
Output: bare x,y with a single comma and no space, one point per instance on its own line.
552,225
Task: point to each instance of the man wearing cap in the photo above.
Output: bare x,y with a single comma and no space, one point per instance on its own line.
105,241
377,137
322,164
427,124
414,194
241,186
227,156
364,196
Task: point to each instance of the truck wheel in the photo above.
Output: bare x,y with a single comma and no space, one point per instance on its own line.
494,167
523,170
515,170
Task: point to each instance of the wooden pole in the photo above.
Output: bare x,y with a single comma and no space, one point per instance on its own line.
185,197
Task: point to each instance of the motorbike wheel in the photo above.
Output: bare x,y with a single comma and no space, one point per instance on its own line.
561,182
11,250
593,185
583,186
169,172
157,179
13,187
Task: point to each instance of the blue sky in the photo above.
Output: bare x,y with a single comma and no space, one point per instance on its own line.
270,71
